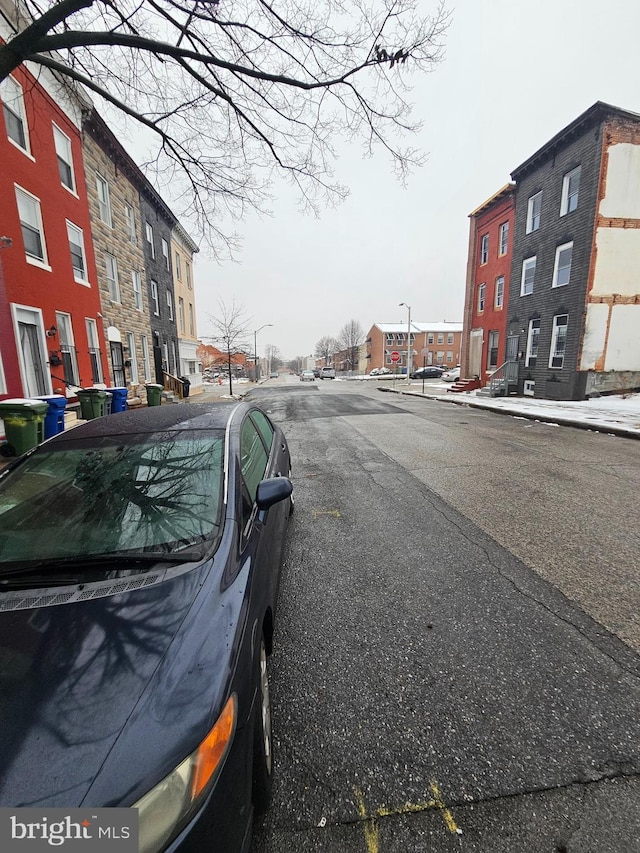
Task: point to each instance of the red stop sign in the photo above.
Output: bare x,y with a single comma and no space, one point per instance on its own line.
395,356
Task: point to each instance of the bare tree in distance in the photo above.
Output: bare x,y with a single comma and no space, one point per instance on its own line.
232,332
325,348
235,93
350,337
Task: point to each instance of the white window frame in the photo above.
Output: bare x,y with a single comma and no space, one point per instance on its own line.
192,323
534,212
93,343
484,249
569,202
149,236
555,337
65,337
526,264
80,276
181,315
3,382
165,255
154,298
170,303
430,338
556,266
494,334
136,281
503,239
14,102
133,366
178,267
130,217
482,290
146,361
104,200
498,299
113,280
187,269
531,339
38,226
449,337
64,153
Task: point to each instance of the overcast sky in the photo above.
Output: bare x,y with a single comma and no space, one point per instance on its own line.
514,74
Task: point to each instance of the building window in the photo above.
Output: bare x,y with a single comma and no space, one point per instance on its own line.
170,303
558,340
492,350
439,357
484,249
499,293
187,269
149,235
528,276
389,339
430,338
104,202
76,247
165,255
137,289
94,350
440,337
181,314
503,242
113,282
154,298
65,158
146,362
532,343
178,267
14,114
562,266
450,338
192,325
400,339
67,349
534,210
481,294
133,360
32,228
449,356
130,218
570,190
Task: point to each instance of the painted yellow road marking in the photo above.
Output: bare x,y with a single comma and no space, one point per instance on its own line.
334,512
446,814
370,824
370,828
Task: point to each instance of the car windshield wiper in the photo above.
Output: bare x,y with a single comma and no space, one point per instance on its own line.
22,569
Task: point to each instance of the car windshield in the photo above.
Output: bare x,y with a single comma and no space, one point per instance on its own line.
123,496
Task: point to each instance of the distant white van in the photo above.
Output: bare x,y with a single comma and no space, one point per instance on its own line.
327,373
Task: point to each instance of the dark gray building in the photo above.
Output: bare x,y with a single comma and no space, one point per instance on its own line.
157,224
574,296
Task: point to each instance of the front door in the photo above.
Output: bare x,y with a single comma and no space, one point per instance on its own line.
35,379
117,364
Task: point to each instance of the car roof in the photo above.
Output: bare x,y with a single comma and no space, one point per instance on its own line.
171,416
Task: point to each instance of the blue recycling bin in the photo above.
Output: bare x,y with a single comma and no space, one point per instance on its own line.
118,399
54,417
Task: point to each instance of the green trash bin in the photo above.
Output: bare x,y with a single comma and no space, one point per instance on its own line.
94,403
154,394
23,424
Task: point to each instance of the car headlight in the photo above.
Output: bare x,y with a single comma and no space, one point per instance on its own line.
168,804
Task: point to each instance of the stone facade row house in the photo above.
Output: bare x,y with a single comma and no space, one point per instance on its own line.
552,301
96,272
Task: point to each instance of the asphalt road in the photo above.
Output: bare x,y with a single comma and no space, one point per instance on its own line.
442,676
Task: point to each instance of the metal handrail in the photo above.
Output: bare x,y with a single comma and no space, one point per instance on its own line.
503,376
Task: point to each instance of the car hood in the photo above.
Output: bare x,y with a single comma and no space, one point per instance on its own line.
72,678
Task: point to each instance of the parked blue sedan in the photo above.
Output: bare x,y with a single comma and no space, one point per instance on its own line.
139,566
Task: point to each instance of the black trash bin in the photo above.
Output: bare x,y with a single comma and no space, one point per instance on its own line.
186,384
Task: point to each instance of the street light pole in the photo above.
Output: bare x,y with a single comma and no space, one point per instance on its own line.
408,307
256,363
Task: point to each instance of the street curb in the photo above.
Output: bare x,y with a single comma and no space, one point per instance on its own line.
608,429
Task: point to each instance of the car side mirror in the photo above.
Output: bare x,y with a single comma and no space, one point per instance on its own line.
272,491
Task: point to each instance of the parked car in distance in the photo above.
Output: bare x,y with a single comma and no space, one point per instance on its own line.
316,372
139,564
430,372
451,375
380,371
307,376
274,374
327,373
